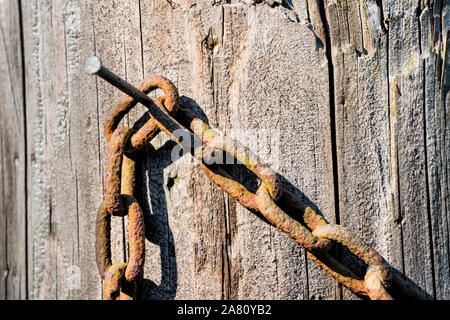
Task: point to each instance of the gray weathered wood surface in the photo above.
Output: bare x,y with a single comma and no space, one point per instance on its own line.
12,158
353,93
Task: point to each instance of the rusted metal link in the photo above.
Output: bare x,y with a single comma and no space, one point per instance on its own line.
143,136
136,239
121,275
371,257
113,281
113,202
211,138
136,224
378,276
102,241
136,227
272,212
374,286
120,278
270,190
116,287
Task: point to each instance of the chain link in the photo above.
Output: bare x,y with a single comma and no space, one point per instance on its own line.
119,188
272,200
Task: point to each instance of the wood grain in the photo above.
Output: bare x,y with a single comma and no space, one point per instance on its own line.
347,100
13,222
385,133
65,187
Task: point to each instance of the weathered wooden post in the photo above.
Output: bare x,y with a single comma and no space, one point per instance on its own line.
346,100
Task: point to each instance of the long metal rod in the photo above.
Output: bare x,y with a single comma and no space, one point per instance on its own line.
93,66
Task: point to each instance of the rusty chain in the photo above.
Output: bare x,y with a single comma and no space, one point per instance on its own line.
120,278
272,200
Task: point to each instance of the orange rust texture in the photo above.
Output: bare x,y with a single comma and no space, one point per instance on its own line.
136,239
146,133
116,114
342,274
375,288
354,244
136,225
284,222
119,190
102,241
244,155
116,287
113,202
113,280
236,190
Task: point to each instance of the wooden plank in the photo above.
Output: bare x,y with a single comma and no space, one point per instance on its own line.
63,151
436,87
358,52
3,253
116,27
13,282
389,128
406,81
282,101
185,219
216,58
